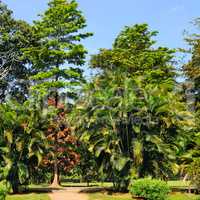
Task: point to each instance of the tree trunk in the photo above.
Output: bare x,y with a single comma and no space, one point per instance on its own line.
55,182
13,178
185,177
15,187
88,184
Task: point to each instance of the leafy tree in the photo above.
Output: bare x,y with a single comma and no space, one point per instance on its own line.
194,172
87,168
22,140
134,54
190,155
58,32
14,36
191,69
62,153
130,115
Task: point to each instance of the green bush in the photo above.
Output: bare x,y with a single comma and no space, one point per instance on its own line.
194,172
3,190
150,189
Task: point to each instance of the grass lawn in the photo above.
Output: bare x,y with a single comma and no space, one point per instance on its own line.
28,197
95,184
33,186
179,183
101,196
107,184
181,196
104,196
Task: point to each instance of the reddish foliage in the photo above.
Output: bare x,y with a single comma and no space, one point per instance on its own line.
62,143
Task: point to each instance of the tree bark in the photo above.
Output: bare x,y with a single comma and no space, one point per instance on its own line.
185,177
56,182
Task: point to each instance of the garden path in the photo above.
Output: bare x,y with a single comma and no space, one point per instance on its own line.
68,194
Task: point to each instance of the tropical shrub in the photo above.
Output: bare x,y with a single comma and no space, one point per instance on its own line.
87,168
22,140
194,172
3,190
150,189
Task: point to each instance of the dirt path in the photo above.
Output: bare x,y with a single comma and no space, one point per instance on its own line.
68,194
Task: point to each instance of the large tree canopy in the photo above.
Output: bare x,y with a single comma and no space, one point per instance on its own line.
14,36
59,53
134,52
130,114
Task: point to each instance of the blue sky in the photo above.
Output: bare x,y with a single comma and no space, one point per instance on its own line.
106,18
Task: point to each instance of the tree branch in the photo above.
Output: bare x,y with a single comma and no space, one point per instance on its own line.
7,60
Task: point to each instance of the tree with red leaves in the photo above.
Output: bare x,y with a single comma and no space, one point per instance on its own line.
57,59
62,154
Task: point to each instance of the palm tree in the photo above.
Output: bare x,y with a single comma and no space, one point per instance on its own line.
131,128
22,140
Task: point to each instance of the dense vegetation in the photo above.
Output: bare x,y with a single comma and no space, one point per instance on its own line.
131,120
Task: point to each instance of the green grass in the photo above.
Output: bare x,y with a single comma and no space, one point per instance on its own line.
28,197
108,184
95,184
68,184
178,183
182,196
44,185
103,196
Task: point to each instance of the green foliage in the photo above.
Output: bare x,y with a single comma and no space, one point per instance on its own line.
194,172
132,117
59,36
87,168
3,190
14,36
191,68
133,52
191,152
22,140
57,58
150,189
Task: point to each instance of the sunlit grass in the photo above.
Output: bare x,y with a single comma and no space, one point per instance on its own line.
28,197
182,196
107,184
104,196
178,183
93,184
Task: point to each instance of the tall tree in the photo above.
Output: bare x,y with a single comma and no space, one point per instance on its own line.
130,115
62,144
59,54
14,36
191,69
